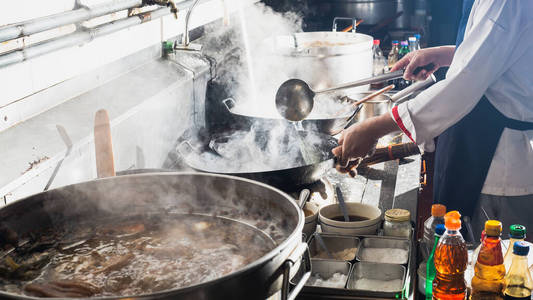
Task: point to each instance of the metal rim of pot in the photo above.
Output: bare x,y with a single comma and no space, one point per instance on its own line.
296,255
342,43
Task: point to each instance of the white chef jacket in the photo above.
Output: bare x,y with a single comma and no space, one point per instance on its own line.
495,60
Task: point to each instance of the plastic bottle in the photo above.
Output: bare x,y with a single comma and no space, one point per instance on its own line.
476,251
518,283
404,49
393,54
437,217
412,44
451,258
417,36
379,63
517,233
489,270
430,265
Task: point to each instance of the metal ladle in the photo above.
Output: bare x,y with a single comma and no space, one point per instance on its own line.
294,98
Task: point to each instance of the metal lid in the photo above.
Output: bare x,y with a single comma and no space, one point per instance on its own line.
397,215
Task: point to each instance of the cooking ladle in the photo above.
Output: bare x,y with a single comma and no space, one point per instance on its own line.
294,98
342,204
304,194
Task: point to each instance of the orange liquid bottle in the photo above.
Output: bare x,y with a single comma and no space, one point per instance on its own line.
451,258
489,270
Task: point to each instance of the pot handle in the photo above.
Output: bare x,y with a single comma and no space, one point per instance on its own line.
229,103
300,253
334,26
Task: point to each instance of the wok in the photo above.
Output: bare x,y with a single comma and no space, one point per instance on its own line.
160,194
331,126
289,178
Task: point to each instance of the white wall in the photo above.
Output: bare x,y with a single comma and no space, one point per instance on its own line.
21,80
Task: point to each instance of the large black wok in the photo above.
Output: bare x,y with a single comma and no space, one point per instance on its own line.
289,178
332,126
168,193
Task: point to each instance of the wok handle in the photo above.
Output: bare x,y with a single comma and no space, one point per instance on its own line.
103,147
300,253
390,153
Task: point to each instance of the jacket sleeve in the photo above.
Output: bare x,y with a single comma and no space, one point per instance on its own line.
485,54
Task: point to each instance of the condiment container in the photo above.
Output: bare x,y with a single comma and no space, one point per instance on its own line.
310,219
365,219
397,223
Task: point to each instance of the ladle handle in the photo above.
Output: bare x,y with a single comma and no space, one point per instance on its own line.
374,94
103,147
374,79
419,85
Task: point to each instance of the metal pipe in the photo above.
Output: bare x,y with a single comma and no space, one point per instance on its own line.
80,37
185,40
56,20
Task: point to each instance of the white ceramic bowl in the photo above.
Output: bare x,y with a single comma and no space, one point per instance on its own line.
312,220
370,226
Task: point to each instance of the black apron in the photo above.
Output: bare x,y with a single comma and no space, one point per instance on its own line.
464,153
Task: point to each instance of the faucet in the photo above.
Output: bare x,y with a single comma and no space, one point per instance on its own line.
185,40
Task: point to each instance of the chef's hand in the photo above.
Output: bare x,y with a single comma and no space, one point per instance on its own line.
438,56
359,139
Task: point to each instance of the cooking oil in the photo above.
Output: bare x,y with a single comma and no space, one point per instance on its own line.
451,258
489,269
517,233
518,283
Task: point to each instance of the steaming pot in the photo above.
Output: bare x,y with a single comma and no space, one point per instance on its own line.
162,193
324,59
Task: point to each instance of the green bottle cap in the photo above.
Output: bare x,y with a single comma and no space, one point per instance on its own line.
517,232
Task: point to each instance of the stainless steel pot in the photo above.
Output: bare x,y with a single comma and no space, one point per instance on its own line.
322,59
163,193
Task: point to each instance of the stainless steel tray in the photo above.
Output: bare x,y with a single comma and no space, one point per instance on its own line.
326,269
376,274
309,293
367,250
335,244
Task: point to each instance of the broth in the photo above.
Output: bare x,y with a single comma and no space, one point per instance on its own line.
352,218
132,257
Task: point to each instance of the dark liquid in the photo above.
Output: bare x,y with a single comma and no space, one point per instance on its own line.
352,218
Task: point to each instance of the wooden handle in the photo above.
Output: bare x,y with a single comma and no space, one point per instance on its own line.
103,147
374,94
391,152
